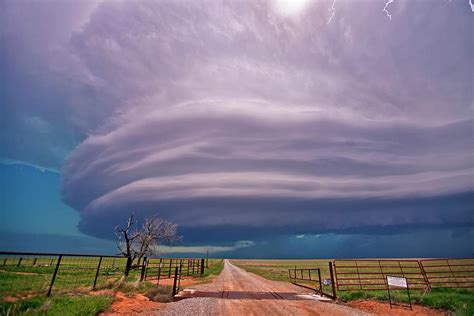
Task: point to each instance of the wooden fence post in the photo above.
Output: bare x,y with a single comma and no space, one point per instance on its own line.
19,261
142,274
159,272
202,266
179,277
54,275
332,281
175,280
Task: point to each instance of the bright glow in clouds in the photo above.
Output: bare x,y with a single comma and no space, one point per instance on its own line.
290,7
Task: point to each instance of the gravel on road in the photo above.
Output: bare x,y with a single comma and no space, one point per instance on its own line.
237,292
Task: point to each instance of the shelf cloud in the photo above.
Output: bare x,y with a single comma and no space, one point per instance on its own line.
245,118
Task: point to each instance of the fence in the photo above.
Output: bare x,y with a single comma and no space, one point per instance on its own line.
157,269
24,274
41,273
307,276
370,274
449,273
163,268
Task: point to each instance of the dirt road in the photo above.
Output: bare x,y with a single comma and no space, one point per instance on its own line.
237,292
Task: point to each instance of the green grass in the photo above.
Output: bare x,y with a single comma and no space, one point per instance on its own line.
459,300
58,305
215,267
29,282
75,274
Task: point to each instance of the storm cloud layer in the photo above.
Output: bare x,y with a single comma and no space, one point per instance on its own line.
241,119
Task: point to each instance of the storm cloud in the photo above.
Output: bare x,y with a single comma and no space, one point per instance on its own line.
242,119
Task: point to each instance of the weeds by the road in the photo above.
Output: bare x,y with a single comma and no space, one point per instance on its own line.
215,267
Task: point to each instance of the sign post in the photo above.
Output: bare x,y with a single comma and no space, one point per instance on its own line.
399,283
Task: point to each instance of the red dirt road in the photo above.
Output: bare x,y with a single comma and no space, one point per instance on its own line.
237,292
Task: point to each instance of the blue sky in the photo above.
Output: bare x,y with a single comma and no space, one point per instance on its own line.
263,128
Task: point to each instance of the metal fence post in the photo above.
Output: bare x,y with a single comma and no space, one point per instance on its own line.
97,273
175,279
54,275
332,281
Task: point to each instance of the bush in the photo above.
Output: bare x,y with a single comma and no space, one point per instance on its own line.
160,294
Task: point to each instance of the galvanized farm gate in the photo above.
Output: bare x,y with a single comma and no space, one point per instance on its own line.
423,274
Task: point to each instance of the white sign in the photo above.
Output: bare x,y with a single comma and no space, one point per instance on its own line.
397,281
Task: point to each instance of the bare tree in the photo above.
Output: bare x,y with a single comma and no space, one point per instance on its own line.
136,243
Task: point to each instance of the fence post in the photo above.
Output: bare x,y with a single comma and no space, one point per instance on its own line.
202,266
34,261
19,261
54,275
320,284
169,269
159,272
5,261
97,273
142,274
332,281
180,274
175,279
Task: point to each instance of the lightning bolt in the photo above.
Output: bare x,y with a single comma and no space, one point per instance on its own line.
332,9
472,5
386,7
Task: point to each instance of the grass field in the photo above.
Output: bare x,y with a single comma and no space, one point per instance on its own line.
58,305
33,276
24,283
459,300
